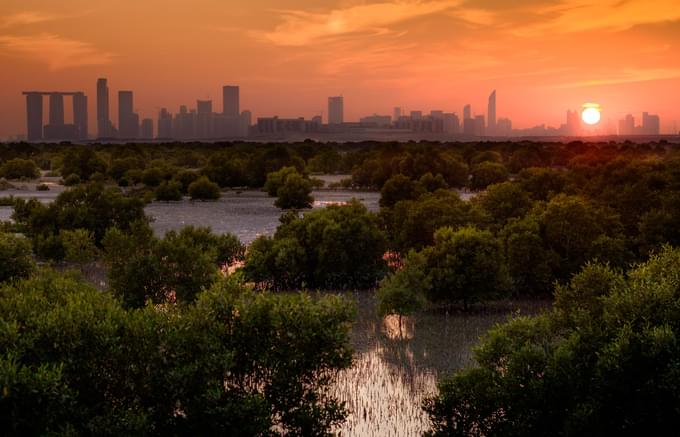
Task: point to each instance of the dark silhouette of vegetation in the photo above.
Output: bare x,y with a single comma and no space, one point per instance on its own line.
19,169
144,268
338,247
602,362
204,189
16,261
74,361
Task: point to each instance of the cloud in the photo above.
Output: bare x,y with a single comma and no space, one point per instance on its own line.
629,75
55,51
26,18
612,15
300,28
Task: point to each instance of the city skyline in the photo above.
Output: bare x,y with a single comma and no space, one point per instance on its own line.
290,56
204,123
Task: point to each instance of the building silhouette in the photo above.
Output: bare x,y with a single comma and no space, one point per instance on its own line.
56,128
491,113
128,121
103,119
336,110
479,126
164,124
230,101
467,112
627,125
651,124
573,123
146,130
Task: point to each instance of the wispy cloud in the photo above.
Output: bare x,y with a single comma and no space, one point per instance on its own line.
300,28
55,51
613,15
26,18
625,76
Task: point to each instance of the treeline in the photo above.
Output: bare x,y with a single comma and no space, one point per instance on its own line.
574,215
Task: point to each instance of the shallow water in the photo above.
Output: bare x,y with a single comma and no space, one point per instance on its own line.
394,369
246,214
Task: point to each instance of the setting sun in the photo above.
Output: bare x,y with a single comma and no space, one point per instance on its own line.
591,113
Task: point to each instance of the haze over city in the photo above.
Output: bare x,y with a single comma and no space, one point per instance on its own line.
288,57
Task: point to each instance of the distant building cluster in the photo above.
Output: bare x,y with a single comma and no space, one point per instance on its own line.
204,123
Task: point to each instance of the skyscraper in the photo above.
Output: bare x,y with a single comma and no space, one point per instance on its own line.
650,124
573,123
147,129
397,114
164,124
80,114
103,120
627,125
467,112
491,113
230,101
34,114
56,109
128,121
204,119
336,109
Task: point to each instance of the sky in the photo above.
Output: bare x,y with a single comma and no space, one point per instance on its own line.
542,56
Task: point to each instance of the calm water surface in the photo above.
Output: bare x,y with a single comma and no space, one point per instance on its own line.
394,369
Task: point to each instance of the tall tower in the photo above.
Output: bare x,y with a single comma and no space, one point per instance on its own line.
128,121
230,101
103,119
56,109
80,114
34,116
467,112
336,108
492,113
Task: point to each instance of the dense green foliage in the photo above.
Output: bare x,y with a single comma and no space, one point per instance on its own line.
603,362
294,193
19,169
337,247
91,207
15,257
73,361
144,268
204,189
462,266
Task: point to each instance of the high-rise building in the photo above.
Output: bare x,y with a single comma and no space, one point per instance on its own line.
467,112
336,110
480,130
573,123
650,124
147,129
503,127
56,109
491,113
103,120
627,125
80,115
396,115
34,116
164,124
416,115
451,123
230,101
128,121
204,119
244,123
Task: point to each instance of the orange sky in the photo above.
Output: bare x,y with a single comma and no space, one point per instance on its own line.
289,55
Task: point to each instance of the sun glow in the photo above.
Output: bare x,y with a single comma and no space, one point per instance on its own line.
591,113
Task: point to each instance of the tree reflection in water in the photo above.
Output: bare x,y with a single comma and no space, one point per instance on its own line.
395,367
